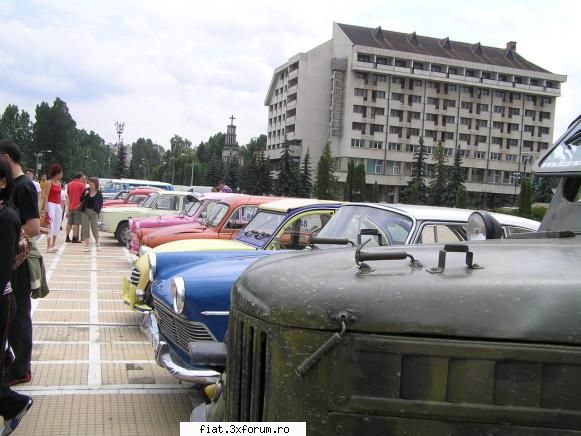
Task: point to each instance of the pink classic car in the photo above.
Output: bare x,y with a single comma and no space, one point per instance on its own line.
195,214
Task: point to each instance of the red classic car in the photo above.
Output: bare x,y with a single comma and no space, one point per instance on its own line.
130,198
225,220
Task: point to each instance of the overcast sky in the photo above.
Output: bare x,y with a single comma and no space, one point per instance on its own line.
184,66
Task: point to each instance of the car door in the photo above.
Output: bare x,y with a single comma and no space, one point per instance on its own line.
166,205
297,232
237,221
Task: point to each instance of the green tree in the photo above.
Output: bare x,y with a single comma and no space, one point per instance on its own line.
438,188
215,170
179,145
418,180
326,182
287,178
461,197
542,190
525,197
55,129
305,181
375,197
264,178
18,127
145,155
230,175
456,179
355,184
248,175
121,170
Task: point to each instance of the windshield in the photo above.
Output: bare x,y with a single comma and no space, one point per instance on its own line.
348,222
150,201
193,208
217,214
264,224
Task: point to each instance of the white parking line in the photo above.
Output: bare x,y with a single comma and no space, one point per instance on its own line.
94,375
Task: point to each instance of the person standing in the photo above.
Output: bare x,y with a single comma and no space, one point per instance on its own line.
30,175
223,187
25,200
13,406
93,203
53,206
75,190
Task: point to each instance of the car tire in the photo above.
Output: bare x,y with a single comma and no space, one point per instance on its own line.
123,234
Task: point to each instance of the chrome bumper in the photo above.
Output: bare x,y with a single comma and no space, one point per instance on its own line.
165,360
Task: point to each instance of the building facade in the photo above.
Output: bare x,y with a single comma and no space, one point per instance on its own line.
371,94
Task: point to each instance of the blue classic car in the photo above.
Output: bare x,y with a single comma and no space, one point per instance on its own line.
191,291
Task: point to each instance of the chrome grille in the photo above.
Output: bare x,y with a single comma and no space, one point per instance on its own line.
135,276
178,329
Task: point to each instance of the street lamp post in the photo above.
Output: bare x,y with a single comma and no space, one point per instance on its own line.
38,156
192,177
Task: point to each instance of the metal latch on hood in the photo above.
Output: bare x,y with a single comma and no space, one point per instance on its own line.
453,248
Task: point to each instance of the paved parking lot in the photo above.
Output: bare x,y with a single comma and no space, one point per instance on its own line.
93,371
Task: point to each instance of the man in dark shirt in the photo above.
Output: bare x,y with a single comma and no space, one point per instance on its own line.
25,200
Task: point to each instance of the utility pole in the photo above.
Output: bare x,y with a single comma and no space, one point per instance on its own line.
38,156
119,127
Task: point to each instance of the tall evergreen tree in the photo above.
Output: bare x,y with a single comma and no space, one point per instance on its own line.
525,197
287,179
461,197
121,170
215,170
375,196
230,175
542,190
438,189
305,181
456,179
18,127
264,178
325,184
416,191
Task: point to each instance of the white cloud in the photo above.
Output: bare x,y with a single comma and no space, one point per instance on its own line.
183,67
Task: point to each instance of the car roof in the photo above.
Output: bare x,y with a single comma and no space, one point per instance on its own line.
217,195
286,204
425,213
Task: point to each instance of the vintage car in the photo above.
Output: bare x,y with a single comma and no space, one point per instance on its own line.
263,232
133,197
474,338
196,213
225,221
199,294
116,219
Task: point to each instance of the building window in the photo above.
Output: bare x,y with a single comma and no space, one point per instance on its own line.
431,100
382,60
544,116
357,143
398,80
432,85
531,98
542,146
511,157
374,166
449,103
481,123
467,89
546,100
484,91
431,117
377,94
516,96
512,142
362,57
414,132
479,155
392,168
359,109
500,94
375,128
358,126
414,115
360,75
495,156
464,153
360,92
414,99
466,105
411,148
448,135
396,113
482,107
376,145
464,137
496,140
396,96
512,127
530,114
528,144
377,111
395,130
394,146
452,88
448,119
380,77
465,121
543,130
480,139
493,176
514,111
497,125
529,129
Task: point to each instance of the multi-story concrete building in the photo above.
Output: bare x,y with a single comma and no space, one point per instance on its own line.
371,94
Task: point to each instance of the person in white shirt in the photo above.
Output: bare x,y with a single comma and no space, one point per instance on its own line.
30,175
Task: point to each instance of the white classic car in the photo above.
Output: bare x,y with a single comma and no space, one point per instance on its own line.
116,220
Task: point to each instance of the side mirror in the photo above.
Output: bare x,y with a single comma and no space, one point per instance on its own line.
482,225
367,234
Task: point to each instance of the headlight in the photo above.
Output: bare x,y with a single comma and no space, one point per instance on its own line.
481,226
144,249
178,290
152,266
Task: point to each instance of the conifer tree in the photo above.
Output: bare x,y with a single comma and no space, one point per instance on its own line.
438,191
325,184
375,193
305,181
456,179
416,190
287,179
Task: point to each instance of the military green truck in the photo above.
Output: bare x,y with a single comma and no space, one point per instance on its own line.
474,338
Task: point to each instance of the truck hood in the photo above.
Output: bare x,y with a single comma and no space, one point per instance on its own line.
527,290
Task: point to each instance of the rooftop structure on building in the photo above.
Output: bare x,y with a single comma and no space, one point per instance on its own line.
372,93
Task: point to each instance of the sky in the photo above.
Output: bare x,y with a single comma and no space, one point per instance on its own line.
184,66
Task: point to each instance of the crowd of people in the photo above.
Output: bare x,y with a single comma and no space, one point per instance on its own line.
29,209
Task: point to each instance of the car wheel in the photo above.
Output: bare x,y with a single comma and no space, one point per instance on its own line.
123,234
